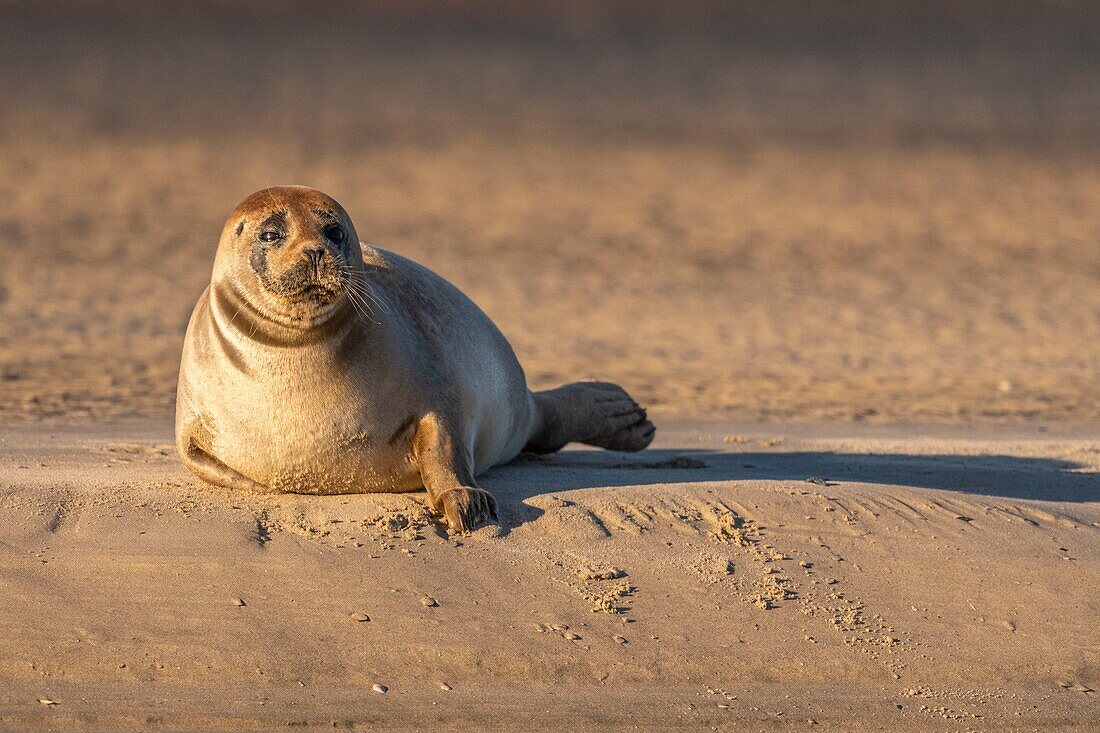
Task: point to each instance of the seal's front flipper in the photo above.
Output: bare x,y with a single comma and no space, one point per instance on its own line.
213,471
446,470
596,413
466,508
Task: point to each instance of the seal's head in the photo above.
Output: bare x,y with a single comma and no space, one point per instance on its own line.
291,253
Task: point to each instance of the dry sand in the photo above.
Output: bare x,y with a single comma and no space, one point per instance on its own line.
744,217
856,213
730,578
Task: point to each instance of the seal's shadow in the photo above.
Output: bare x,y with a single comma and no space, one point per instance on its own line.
1010,477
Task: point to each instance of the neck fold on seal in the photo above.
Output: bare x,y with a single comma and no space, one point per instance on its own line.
237,315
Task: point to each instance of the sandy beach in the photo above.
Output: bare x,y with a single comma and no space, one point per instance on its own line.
732,577
847,257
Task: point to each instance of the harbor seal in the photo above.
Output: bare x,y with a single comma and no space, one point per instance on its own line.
316,364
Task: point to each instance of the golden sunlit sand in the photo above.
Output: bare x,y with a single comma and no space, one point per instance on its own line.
862,578
847,257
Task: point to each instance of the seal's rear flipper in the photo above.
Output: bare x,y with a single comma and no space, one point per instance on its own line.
596,413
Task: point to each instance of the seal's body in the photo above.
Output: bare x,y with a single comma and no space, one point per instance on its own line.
336,414
315,364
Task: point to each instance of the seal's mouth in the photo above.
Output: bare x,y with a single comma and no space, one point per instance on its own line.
303,286
316,292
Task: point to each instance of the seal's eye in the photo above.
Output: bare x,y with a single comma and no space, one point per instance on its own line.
334,233
270,236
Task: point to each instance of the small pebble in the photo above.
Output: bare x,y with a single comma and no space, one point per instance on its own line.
571,636
380,689
619,639
444,686
238,602
360,617
428,602
47,702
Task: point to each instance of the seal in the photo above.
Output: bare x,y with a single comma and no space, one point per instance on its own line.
316,364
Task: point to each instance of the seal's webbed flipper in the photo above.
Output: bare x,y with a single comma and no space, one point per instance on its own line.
595,413
213,471
446,470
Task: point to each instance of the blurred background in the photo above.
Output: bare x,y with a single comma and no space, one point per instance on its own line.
881,211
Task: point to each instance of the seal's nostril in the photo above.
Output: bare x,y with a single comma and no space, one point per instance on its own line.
315,254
